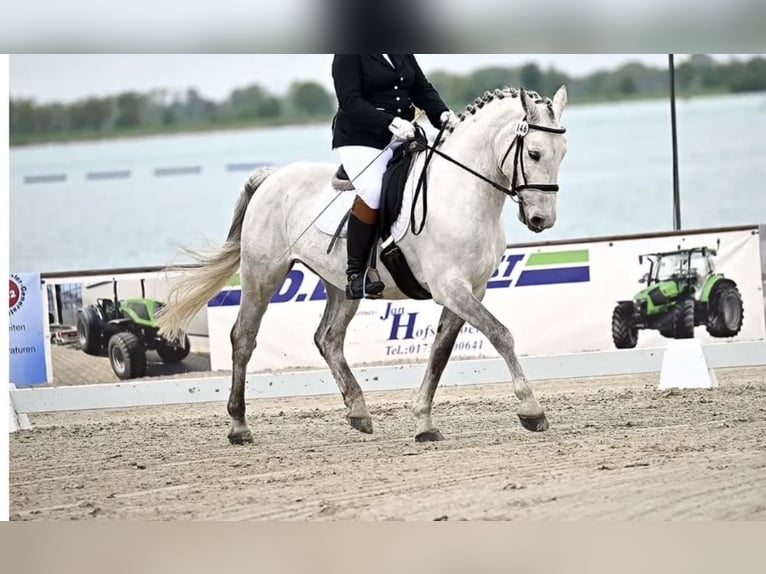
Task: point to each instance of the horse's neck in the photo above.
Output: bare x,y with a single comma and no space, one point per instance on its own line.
477,143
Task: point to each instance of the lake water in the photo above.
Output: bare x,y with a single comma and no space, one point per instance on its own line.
133,202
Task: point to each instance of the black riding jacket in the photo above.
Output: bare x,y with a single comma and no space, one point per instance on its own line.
371,92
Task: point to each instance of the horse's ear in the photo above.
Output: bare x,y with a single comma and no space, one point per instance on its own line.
529,107
560,101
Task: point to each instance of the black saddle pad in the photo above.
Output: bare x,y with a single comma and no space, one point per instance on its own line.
394,181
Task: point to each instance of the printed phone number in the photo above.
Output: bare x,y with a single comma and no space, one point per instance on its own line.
417,348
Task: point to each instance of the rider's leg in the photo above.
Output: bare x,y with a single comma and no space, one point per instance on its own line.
365,166
362,233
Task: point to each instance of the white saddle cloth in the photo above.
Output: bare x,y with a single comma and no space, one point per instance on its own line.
337,203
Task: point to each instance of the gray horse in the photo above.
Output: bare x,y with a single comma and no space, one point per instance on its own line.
509,143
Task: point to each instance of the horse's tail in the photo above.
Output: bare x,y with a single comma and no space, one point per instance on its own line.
212,270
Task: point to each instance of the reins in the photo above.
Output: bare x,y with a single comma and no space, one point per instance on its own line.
522,129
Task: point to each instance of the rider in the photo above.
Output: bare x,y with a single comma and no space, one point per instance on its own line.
377,95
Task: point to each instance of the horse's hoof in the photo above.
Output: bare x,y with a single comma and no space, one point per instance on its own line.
241,437
362,424
534,424
429,436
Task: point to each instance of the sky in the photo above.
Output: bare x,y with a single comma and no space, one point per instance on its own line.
68,77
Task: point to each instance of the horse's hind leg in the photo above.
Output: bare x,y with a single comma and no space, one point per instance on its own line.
329,339
462,301
257,289
446,333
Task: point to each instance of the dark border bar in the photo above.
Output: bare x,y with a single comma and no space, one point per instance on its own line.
102,175
52,178
245,166
185,170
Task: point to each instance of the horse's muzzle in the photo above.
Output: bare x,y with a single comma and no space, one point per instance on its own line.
536,224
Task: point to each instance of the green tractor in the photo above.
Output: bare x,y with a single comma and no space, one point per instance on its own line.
682,291
126,330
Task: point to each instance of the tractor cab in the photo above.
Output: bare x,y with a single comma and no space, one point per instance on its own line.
107,309
687,269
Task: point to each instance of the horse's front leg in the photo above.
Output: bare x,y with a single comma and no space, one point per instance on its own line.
446,334
461,300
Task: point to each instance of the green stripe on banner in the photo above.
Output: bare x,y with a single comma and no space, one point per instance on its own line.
558,257
234,281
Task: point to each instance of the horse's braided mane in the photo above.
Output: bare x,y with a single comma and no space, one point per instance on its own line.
498,94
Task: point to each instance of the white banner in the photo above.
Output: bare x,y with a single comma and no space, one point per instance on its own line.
555,299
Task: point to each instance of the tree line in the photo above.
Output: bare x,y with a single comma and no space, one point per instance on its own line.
698,74
161,111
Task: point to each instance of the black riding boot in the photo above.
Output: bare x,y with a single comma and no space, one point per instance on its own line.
361,237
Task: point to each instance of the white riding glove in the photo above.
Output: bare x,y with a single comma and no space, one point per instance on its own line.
402,129
448,119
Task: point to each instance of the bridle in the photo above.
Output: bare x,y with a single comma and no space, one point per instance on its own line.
522,129
514,192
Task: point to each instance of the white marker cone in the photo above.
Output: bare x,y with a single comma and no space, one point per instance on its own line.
684,366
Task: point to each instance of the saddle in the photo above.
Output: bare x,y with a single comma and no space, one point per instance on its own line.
341,181
394,180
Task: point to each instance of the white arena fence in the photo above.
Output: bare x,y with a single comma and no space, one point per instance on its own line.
556,297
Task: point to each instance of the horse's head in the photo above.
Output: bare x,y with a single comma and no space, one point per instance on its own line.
532,145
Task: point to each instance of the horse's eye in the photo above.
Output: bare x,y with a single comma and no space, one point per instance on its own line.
534,154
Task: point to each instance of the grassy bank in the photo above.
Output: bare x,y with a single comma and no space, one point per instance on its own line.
145,131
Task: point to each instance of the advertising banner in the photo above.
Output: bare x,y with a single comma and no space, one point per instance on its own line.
555,299
26,326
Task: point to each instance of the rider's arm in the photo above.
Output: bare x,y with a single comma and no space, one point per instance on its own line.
425,96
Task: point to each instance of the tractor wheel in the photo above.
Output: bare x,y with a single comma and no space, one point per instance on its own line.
624,331
683,319
667,333
171,353
89,333
725,312
127,356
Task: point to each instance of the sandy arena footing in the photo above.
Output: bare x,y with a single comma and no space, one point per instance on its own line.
617,449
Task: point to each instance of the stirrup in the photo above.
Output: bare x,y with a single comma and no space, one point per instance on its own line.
366,288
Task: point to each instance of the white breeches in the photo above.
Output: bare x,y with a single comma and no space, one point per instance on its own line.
369,182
